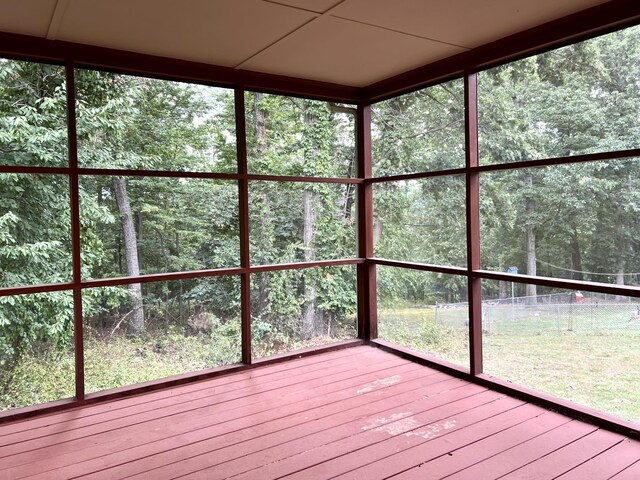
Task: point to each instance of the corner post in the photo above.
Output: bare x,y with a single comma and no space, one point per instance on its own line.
367,304
243,197
76,259
473,221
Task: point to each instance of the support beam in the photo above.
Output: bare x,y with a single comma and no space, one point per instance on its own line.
78,330
367,308
243,214
473,222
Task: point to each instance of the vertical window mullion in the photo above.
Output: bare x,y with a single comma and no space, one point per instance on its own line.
75,232
243,196
473,221
367,304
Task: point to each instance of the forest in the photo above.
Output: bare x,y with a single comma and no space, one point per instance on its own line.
577,221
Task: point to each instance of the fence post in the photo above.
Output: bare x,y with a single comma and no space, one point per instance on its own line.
487,317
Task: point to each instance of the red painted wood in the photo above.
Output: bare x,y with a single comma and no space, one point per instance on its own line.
513,458
420,266
356,413
226,427
299,265
417,175
333,443
228,383
422,358
568,457
472,200
425,434
545,162
327,374
624,427
391,463
161,277
243,215
170,382
256,436
74,207
631,473
367,309
27,289
454,460
289,178
627,290
608,463
202,404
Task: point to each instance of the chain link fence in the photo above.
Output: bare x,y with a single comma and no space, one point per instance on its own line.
549,314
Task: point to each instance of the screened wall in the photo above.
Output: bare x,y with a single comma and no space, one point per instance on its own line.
154,229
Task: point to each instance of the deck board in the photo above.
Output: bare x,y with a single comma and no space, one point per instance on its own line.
608,463
357,413
630,473
433,465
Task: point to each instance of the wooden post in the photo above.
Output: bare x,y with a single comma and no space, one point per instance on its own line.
473,222
243,197
78,331
367,305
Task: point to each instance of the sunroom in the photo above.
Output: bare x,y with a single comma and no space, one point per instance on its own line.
319,239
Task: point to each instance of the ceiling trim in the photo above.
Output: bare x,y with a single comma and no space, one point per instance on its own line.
588,23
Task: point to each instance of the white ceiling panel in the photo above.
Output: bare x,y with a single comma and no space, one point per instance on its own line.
319,6
339,51
467,23
26,17
221,32
349,42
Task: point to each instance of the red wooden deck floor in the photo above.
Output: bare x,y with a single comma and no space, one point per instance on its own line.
355,413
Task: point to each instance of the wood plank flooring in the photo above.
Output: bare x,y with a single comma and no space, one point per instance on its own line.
357,413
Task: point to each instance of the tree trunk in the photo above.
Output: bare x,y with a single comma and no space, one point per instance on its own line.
309,327
576,257
180,303
140,221
350,195
377,230
620,249
529,208
265,220
131,252
503,287
311,324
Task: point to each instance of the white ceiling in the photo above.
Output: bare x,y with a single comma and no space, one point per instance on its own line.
348,42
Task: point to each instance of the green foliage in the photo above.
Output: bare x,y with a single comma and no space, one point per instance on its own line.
420,131
580,99
417,329
54,370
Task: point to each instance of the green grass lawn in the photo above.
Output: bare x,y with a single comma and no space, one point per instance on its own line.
596,369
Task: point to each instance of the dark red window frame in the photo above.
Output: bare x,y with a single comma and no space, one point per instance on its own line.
608,17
